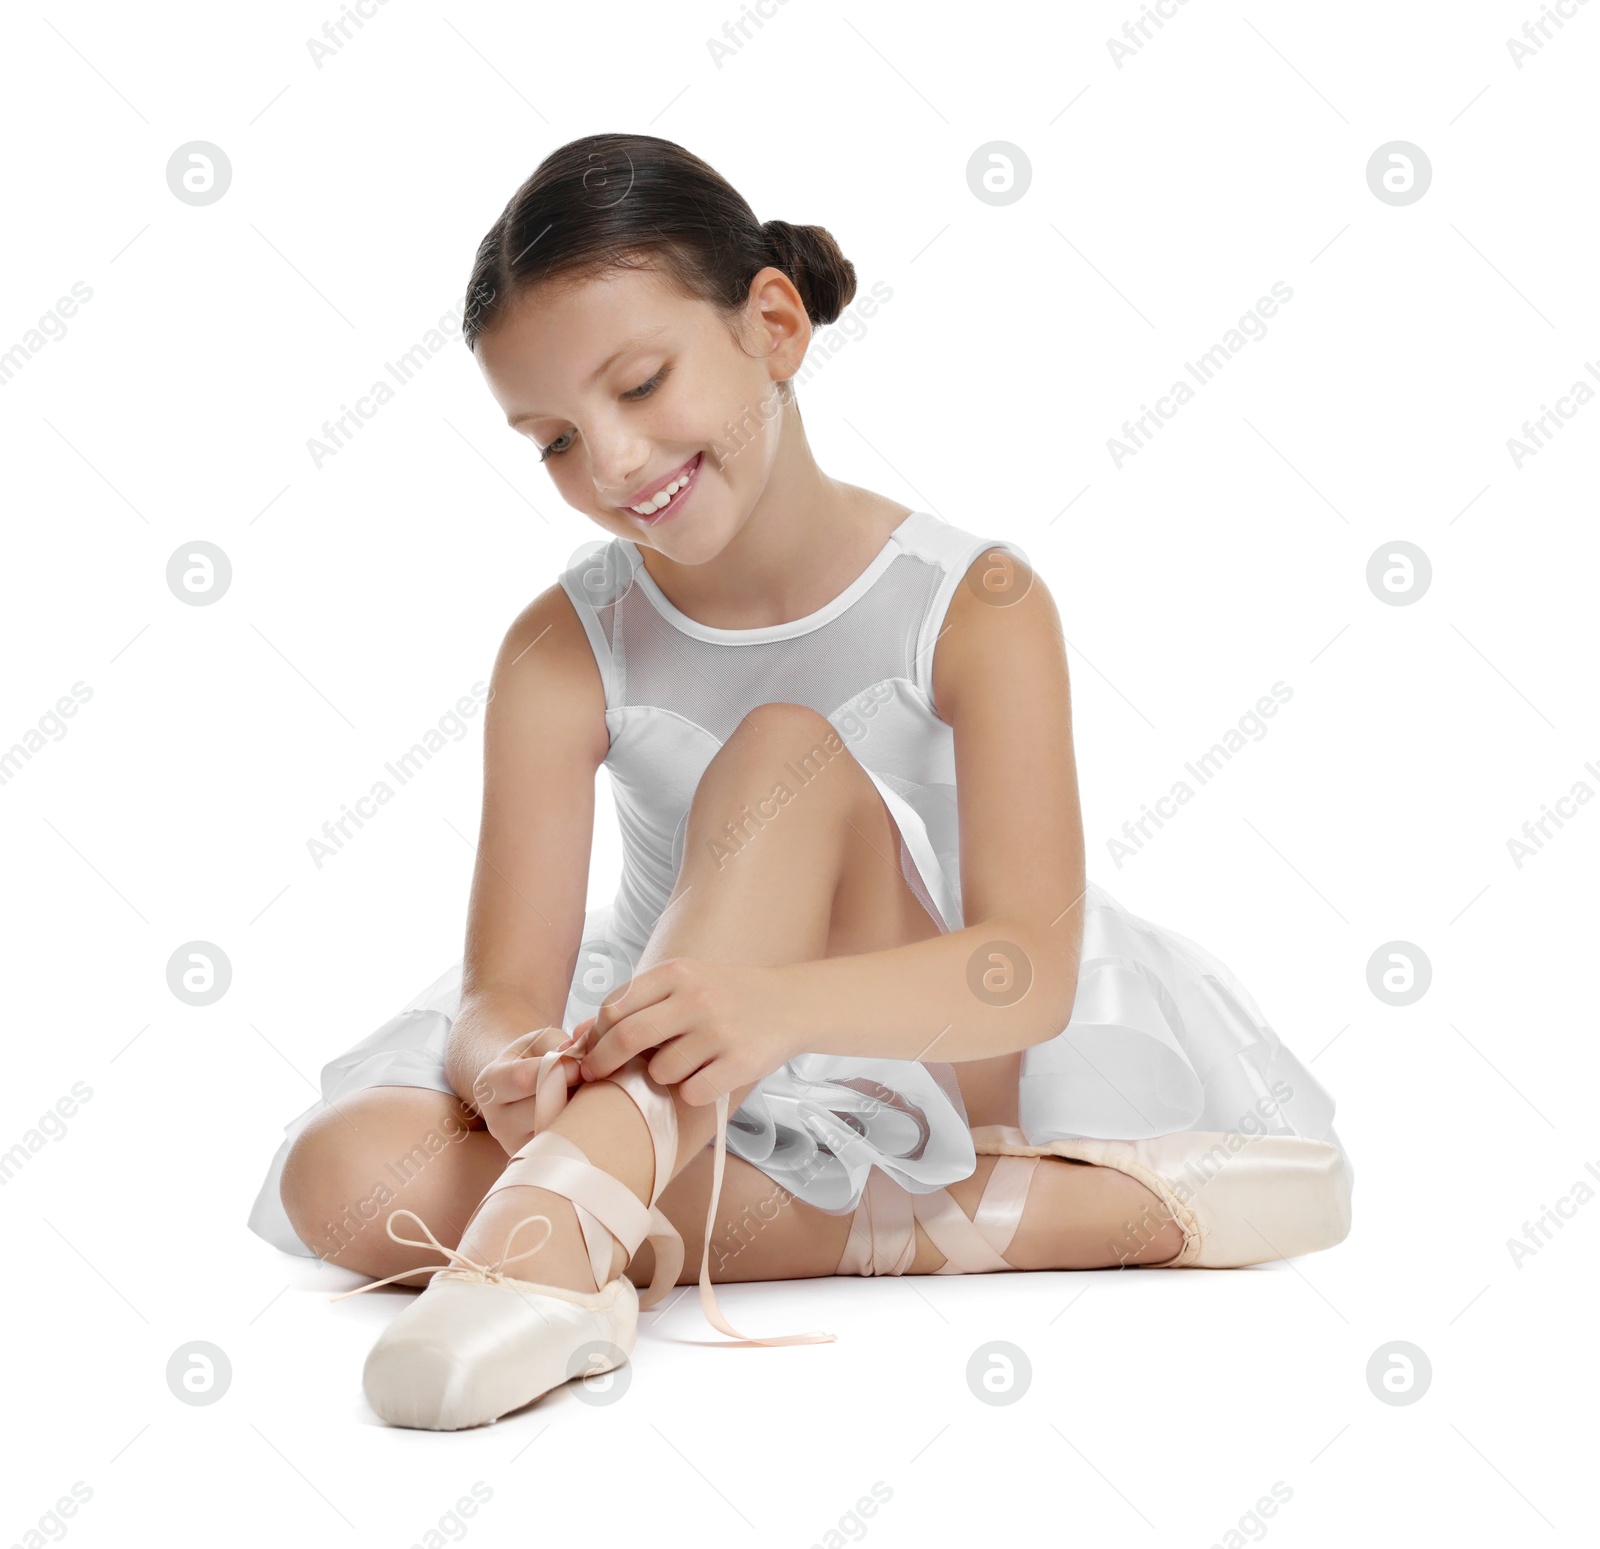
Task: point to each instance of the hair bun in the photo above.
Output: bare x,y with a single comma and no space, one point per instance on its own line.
825,278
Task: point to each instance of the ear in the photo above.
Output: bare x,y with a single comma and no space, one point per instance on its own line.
776,317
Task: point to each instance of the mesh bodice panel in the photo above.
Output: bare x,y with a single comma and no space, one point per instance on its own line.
715,685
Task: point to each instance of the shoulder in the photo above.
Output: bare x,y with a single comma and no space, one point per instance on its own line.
1001,618
546,670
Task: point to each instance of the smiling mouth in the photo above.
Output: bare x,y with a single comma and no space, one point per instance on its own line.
665,499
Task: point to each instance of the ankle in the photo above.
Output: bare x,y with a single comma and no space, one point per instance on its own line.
563,1260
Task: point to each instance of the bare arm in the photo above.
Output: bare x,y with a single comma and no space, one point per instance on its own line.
544,737
1000,681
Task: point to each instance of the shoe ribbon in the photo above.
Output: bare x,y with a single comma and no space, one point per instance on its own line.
458,1260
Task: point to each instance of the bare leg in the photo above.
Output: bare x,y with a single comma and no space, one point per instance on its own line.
1077,1217
383,1149
394,1146
821,878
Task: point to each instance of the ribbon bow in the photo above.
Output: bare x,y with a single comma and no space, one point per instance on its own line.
458,1261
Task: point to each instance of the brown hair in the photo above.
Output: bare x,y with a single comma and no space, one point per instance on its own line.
631,201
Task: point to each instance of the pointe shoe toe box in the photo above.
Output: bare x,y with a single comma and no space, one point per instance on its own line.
468,1350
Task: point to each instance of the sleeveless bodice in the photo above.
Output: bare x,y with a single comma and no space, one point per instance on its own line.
676,689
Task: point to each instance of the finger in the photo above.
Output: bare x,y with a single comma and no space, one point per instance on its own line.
489,1085
705,1085
640,992
505,1083
639,1030
518,1116
678,1058
521,1115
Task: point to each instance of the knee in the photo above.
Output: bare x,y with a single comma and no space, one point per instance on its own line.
787,738
782,720
353,1164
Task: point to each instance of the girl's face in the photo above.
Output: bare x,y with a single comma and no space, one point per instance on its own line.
625,386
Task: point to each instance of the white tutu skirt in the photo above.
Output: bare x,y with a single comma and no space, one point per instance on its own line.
1162,1038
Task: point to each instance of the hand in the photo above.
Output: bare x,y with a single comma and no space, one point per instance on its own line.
715,1027
503,1089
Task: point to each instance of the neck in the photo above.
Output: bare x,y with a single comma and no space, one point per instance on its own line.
807,537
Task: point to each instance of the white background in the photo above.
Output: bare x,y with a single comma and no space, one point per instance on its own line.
369,595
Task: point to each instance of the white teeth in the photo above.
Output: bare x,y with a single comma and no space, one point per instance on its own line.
662,495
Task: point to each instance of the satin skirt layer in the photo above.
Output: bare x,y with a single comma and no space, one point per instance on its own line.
1162,1038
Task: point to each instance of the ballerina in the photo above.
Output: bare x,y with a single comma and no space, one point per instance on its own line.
855,1007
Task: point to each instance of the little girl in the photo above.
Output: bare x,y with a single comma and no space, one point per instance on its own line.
855,1008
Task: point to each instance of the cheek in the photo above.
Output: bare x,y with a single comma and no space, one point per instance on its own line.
747,436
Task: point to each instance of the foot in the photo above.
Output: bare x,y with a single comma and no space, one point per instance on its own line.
471,1348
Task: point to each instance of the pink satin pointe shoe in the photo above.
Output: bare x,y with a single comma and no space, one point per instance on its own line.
1239,1198
478,1343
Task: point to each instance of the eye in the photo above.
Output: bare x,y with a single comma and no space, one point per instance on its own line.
633,395
644,389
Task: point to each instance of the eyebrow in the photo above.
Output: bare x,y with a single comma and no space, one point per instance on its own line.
629,345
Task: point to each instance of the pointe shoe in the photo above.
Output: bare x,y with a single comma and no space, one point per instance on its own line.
1239,1198
883,1237
478,1343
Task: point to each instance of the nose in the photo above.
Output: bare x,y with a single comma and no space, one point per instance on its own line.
618,462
